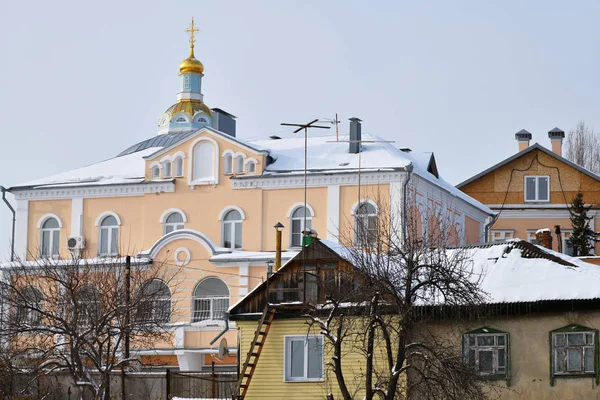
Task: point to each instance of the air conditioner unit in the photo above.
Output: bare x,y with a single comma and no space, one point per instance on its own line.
76,242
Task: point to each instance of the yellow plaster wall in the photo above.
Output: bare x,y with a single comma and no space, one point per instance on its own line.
37,209
380,194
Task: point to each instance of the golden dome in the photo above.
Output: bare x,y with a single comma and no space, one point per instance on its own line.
190,64
189,107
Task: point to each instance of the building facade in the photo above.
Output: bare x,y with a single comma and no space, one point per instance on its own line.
533,190
198,197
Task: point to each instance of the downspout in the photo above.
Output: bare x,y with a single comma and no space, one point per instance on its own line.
409,169
223,331
14,219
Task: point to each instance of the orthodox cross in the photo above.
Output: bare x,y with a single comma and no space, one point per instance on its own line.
192,30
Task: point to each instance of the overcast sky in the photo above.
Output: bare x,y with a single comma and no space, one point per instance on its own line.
81,81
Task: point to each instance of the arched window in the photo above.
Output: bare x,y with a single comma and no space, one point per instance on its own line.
239,165
173,222
228,164
204,161
154,302
251,167
50,241
181,120
232,230
30,305
109,237
167,169
155,172
365,225
179,167
210,300
87,304
298,225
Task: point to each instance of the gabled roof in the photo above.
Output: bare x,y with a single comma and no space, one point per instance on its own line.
528,150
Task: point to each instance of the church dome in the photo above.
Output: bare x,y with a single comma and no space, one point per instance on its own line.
190,64
189,107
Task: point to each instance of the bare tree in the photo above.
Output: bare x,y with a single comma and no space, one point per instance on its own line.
404,270
75,316
583,147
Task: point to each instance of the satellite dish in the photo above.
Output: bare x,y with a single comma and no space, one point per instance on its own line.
223,349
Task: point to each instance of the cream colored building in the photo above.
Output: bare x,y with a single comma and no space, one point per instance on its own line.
200,197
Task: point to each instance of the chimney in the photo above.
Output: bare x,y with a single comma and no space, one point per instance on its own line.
355,135
223,121
523,137
544,238
556,136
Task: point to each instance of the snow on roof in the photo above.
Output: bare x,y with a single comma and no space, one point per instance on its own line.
238,256
129,168
510,277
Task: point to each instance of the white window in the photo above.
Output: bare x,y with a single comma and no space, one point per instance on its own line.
179,167
228,164
88,305
204,161
573,352
298,227
232,230
50,239
30,303
537,188
486,353
365,225
531,238
566,248
167,169
251,167
210,300
173,222
181,120
155,172
109,237
155,302
303,358
500,235
239,165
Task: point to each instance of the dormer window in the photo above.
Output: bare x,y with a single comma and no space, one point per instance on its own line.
155,172
181,120
167,169
537,188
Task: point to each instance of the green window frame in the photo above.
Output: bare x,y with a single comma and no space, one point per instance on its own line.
573,353
487,350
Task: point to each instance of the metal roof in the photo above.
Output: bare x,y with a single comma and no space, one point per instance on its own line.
156,141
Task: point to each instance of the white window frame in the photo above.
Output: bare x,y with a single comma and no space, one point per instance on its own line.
496,372
537,194
531,235
564,235
228,163
567,347
175,225
178,170
239,164
158,308
307,210
109,228
233,228
213,301
24,313
214,180
287,340
362,218
167,169
504,234
51,238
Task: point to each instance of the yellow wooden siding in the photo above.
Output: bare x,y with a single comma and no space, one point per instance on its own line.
268,380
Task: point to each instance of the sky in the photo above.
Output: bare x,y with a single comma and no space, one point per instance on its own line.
81,81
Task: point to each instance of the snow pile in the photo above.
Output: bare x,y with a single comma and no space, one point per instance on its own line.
126,169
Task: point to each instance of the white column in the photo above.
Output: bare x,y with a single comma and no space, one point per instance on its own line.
76,216
243,273
333,212
21,229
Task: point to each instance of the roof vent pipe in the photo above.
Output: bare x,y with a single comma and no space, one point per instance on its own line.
355,135
523,137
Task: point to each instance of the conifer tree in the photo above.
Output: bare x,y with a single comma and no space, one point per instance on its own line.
583,237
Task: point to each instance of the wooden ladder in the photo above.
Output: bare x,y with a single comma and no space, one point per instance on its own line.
254,353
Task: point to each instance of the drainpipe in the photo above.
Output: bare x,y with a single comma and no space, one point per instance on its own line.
223,331
14,219
409,169
488,226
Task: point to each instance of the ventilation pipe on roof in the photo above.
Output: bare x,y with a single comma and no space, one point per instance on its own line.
556,136
355,135
223,121
523,137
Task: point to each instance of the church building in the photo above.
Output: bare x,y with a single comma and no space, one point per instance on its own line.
198,196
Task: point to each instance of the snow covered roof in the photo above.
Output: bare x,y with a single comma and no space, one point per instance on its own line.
119,170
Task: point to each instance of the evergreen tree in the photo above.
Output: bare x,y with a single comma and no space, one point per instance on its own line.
583,237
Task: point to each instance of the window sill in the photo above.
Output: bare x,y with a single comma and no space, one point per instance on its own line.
537,201
203,182
303,380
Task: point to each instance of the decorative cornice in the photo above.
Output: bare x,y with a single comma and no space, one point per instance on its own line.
314,180
94,191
